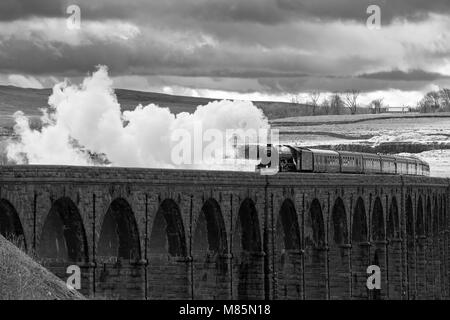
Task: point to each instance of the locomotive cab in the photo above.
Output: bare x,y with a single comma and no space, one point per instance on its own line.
287,158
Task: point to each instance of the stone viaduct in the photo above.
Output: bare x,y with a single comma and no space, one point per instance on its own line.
174,234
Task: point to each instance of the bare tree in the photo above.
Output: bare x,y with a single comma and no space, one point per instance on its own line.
445,99
314,97
336,103
376,105
351,100
325,106
431,102
435,101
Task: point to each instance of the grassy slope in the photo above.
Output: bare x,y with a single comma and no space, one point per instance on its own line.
21,278
29,101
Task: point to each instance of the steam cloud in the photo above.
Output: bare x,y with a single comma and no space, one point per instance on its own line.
87,119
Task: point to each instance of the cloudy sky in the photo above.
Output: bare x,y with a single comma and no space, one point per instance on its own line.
244,49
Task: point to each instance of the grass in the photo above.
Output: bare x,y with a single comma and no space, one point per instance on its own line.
22,278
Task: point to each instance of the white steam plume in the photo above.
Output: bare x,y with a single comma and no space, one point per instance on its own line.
87,119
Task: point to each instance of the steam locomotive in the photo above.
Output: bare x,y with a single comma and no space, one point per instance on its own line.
296,159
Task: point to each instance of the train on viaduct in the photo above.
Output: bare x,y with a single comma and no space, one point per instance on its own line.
177,234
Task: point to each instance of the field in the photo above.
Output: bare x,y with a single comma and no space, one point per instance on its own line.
367,126
427,136
347,119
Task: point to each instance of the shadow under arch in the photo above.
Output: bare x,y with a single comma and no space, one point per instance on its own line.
167,255
168,235
339,221
434,290
378,230
442,220
63,236
248,223
247,248
119,235
287,225
288,258
10,225
379,237
442,243
444,204
444,213
120,276
436,279
435,217
209,249
420,222
428,229
393,222
317,226
210,227
428,218
409,219
394,254
360,250
359,222
339,252
410,248
315,253
420,250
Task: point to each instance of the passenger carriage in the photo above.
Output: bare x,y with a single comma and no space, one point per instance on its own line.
351,162
371,163
297,159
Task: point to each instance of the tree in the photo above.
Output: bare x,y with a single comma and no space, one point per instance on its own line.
336,103
431,102
376,105
325,106
314,97
351,100
445,99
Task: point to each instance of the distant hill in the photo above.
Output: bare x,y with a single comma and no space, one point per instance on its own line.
29,101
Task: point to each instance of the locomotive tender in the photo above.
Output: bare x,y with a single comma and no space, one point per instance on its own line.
296,159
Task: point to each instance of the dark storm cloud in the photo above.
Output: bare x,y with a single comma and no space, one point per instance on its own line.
331,84
399,75
285,45
21,9
282,11
91,9
357,9
149,58
257,11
